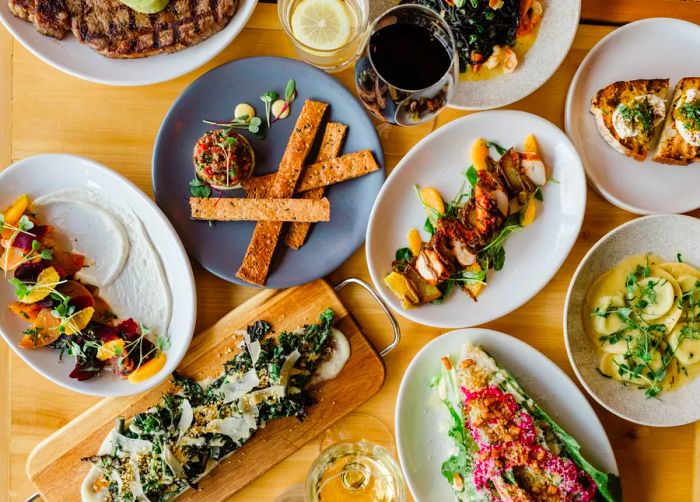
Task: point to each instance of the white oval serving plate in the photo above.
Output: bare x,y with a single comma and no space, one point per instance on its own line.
533,254
44,174
423,445
664,235
646,49
72,57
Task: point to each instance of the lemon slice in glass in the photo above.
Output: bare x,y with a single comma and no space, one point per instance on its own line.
321,24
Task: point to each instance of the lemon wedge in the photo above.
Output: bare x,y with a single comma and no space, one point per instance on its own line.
321,24
147,6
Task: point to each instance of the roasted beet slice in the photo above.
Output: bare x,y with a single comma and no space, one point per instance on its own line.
29,272
24,241
83,371
129,329
105,333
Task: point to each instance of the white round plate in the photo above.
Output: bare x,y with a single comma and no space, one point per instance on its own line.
643,49
422,442
666,236
557,32
44,174
74,58
533,254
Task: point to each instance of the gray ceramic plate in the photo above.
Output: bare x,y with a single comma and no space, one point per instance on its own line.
665,235
220,247
557,31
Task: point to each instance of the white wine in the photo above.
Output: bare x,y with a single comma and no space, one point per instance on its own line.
355,472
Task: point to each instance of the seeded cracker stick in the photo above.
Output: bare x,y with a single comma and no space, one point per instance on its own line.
331,144
256,262
235,209
319,174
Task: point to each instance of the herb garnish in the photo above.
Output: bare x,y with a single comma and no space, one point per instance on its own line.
639,113
199,188
268,98
690,111
253,125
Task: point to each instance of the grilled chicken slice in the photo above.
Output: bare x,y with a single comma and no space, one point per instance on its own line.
431,267
455,243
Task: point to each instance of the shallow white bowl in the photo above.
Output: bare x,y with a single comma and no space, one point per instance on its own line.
651,48
74,58
43,174
665,235
423,444
533,255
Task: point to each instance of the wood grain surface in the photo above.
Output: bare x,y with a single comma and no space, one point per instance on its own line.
53,112
54,466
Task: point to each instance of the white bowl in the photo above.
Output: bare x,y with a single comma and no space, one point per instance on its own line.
423,444
533,255
646,49
72,57
665,235
43,174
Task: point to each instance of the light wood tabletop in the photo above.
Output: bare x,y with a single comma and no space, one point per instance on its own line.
43,110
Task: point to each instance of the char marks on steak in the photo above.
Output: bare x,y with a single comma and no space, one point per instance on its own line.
117,31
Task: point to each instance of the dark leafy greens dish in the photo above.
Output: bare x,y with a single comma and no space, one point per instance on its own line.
162,452
507,447
467,234
490,34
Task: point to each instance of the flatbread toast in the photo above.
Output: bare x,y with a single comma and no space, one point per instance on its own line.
625,106
676,146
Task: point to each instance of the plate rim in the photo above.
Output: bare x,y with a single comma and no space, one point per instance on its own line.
245,8
167,226
523,95
569,123
499,337
565,318
409,313
378,153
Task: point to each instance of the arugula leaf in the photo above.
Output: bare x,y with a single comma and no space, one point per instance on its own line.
404,254
497,147
428,226
472,176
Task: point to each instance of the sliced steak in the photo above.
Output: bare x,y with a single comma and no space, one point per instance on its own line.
115,30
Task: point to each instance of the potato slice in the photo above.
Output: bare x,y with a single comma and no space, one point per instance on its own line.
475,288
403,288
527,215
415,242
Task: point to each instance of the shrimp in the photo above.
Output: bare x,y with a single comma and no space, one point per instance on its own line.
510,60
495,58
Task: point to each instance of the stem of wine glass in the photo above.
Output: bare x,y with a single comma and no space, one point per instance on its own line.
357,427
403,137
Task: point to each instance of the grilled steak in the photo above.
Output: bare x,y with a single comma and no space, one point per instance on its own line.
115,30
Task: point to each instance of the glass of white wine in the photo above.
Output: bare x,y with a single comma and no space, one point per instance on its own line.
356,464
326,33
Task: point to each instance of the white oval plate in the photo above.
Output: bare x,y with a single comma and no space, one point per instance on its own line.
72,57
533,255
651,48
665,235
557,32
423,444
44,174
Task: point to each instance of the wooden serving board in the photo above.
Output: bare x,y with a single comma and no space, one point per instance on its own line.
54,466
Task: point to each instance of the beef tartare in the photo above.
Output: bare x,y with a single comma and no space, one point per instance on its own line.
222,158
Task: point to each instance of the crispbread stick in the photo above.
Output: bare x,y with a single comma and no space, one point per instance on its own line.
331,144
234,209
256,262
319,174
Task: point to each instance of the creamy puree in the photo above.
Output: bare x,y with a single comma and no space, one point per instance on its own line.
120,258
656,298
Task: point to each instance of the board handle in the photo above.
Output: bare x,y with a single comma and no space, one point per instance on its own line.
373,293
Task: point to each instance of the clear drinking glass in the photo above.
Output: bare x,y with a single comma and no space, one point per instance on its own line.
356,464
330,59
381,93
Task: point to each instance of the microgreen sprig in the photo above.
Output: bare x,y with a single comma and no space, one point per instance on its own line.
268,98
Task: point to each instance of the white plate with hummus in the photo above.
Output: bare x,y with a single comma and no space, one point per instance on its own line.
639,50
132,256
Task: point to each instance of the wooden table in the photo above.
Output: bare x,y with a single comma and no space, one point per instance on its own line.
43,110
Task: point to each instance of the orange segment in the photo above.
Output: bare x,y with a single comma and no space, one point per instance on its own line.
475,287
78,321
25,312
431,198
527,215
111,349
415,243
45,284
11,258
148,369
479,154
13,213
46,331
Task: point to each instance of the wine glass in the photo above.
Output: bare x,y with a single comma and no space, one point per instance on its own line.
408,67
356,464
